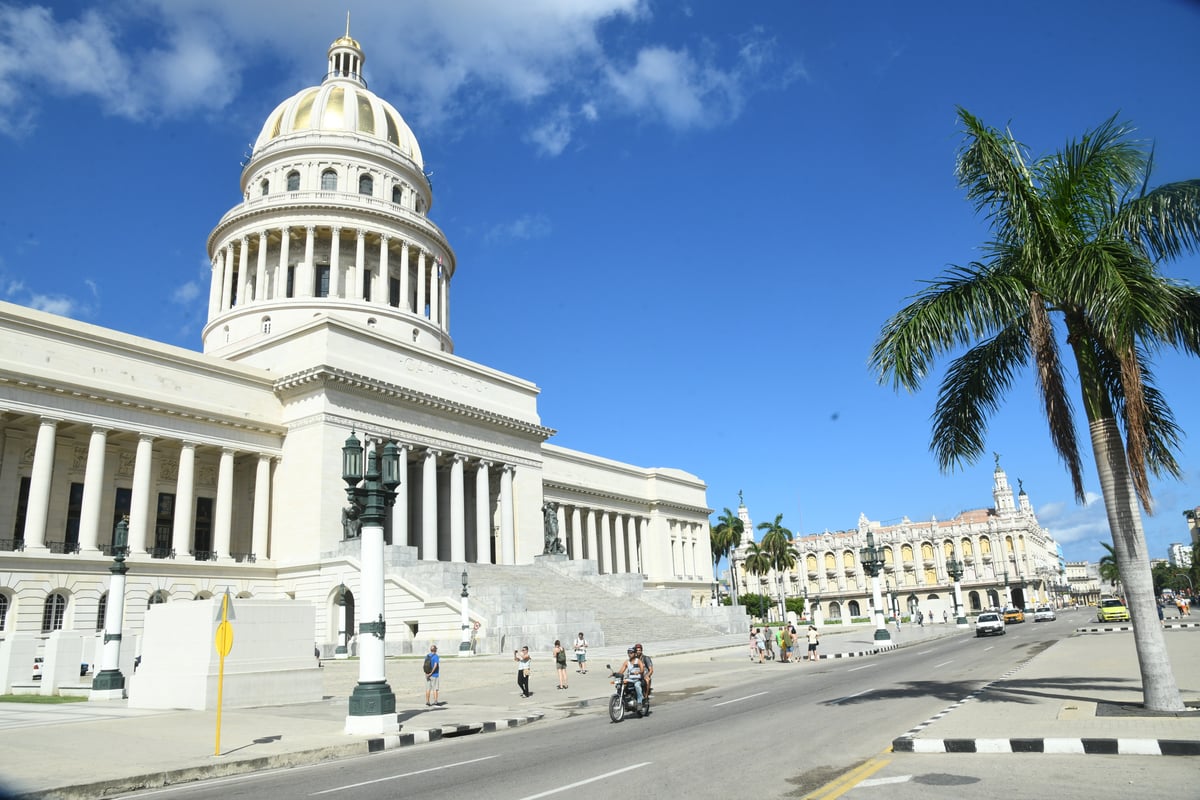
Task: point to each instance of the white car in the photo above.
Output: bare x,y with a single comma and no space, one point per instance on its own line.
989,623
1044,614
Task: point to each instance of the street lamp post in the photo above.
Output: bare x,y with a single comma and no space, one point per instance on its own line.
342,650
1007,595
372,704
955,571
109,683
872,561
464,646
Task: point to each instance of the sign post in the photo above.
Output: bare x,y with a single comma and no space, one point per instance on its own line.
224,643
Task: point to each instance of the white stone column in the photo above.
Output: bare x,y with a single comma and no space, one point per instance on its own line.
37,507
306,272
458,526
261,283
483,517
405,305
560,516
281,273
223,524
421,282
507,534
139,500
606,551
435,276
380,295
445,295
227,278
631,546
619,541
215,284
262,508
185,483
400,509
335,255
93,490
360,261
429,549
243,269
592,548
576,535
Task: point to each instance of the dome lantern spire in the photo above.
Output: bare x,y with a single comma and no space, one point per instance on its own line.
346,58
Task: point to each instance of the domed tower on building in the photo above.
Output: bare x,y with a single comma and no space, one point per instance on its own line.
333,221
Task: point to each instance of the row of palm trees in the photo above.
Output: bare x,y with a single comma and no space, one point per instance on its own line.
773,553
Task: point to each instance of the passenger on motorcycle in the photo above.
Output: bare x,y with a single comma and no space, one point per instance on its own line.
633,670
647,667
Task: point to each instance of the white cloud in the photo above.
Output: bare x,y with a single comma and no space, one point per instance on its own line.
1069,523
185,293
54,304
528,226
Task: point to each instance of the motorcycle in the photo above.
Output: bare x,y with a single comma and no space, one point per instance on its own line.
624,698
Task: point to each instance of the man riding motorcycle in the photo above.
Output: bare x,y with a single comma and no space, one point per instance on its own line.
634,670
647,667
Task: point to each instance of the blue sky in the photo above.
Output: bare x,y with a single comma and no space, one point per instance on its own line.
686,223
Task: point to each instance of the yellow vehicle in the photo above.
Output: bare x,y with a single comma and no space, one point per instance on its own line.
1013,615
1112,609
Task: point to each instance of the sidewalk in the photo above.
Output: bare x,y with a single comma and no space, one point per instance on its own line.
114,749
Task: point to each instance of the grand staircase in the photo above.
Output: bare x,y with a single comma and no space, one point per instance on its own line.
554,598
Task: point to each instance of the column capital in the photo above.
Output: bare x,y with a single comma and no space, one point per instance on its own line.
310,229
483,463
245,240
360,234
459,457
384,238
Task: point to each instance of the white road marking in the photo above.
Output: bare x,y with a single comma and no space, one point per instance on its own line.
577,784
883,781
404,775
923,652
739,699
850,696
944,663
864,666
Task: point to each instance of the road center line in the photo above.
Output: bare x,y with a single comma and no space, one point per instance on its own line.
864,666
739,699
397,777
849,697
944,663
577,784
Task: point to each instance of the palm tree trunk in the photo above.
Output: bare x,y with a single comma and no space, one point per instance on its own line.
1160,692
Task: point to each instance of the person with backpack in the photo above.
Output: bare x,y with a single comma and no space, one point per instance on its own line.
560,662
432,668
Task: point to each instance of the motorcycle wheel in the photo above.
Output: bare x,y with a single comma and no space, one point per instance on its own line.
616,708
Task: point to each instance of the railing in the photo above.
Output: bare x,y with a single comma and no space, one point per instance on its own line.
162,552
63,547
12,545
109,550
246,558
205,555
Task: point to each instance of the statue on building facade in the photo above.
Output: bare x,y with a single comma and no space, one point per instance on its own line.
553,546
351,524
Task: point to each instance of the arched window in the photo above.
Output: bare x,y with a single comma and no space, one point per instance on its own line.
366,185
265,186
53,612
293,181
329,181
854,609
397,195
158,597
3,610
101,611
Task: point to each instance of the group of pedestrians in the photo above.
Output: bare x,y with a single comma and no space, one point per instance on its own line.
762,642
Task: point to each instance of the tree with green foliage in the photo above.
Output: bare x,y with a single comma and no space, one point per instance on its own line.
777,541
726,535
1107,566
1077,243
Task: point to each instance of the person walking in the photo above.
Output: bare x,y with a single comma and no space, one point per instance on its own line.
761,644
581,647
433,671
814,639
560,662
523,665
753,643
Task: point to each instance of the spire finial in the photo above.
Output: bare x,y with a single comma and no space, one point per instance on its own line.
347,23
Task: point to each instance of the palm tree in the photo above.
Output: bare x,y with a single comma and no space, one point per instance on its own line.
777,541
1076,247
728,535
758,559
1108,566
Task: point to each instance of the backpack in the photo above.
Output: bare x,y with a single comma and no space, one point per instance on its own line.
428,665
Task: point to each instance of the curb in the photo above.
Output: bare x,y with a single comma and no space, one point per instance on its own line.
381,743
1080,746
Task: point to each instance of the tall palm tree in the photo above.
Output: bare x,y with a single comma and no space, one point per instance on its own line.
777,541
728,530
1108,566
1076,248
758,560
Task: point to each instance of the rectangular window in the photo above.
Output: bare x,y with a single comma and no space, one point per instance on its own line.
121,505
74,512
164,520
22,507
291,281
394,292
321,289
204,524
366,285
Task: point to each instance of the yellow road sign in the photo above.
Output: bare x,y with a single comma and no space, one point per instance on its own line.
224,638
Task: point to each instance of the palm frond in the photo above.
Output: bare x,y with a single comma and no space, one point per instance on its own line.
1166,221
1056,403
